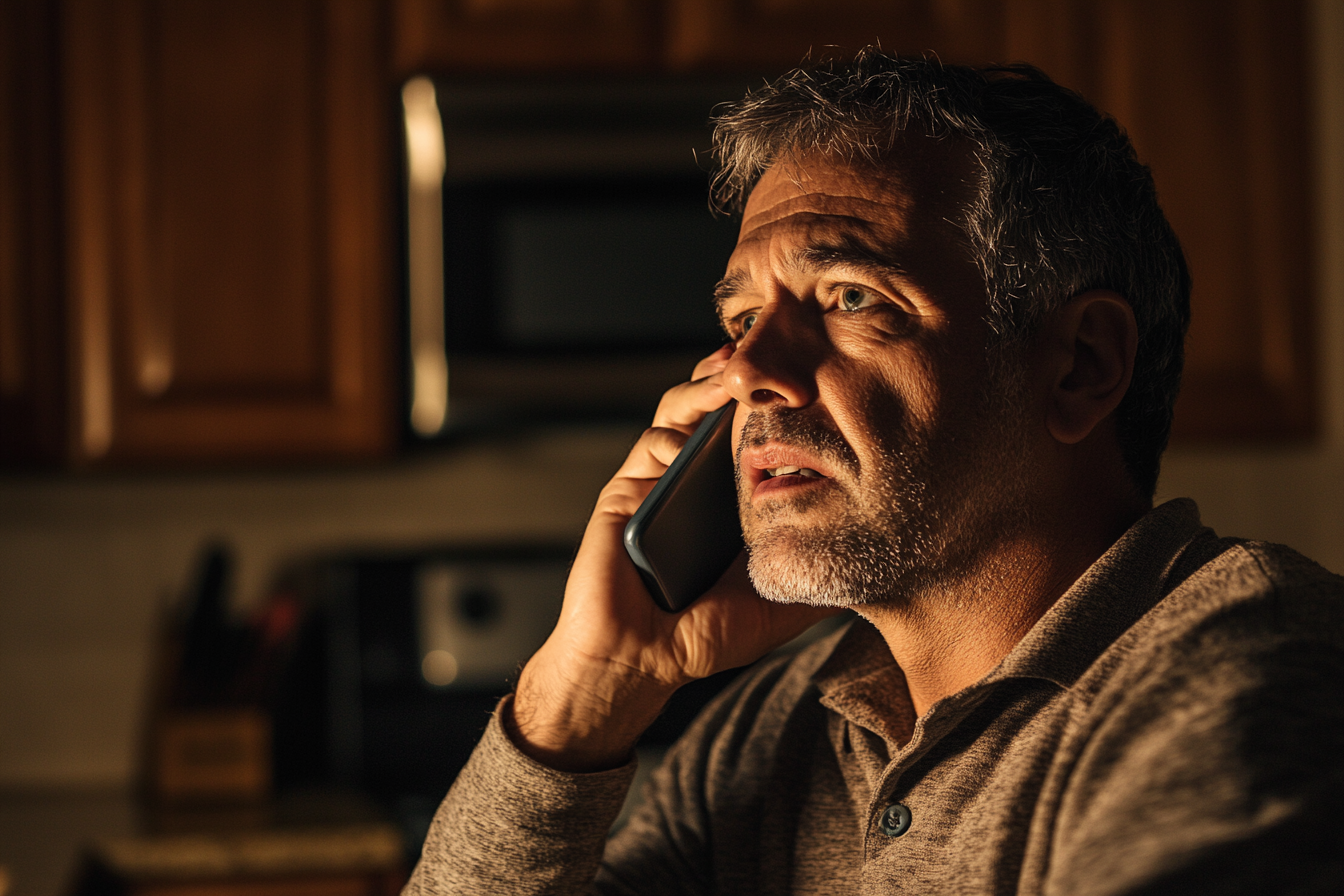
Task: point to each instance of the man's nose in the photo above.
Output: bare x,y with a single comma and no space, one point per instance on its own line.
775,363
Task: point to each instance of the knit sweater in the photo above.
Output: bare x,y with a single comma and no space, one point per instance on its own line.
1173,724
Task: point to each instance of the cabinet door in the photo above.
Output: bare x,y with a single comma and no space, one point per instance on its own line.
775,35
32,384
1214,94
524,36
228,229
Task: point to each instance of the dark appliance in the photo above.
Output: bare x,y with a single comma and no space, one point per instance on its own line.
401,660
561,251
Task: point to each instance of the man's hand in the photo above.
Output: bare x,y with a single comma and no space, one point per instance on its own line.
615,657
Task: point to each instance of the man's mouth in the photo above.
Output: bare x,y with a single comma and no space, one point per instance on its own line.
805,472
770,474
783,454
786,479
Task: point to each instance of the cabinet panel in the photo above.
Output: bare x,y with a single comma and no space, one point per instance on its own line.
229,227
517,36
774,35
1214,96
32,355
1233,145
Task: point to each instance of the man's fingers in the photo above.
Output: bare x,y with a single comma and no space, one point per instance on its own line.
713,363
652,454
685,405
649,459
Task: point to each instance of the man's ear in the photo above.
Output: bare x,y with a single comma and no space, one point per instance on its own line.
1088,347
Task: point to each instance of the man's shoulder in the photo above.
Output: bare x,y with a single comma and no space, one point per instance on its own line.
1284,571
1261,590
1205,743
1243,618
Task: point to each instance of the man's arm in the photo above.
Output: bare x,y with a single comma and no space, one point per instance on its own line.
531,810
510,825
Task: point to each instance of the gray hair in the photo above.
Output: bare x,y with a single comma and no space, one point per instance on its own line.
1063,205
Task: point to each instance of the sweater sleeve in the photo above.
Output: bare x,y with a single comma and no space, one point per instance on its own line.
512,826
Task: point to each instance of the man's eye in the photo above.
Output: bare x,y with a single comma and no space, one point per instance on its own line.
746,322
852,298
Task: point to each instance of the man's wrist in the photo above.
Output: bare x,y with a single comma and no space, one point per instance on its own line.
581,722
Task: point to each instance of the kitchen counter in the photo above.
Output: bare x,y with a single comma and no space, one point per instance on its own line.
56,843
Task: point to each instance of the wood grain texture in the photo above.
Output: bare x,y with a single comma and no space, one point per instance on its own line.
1215,96
32,339
229,220
524,36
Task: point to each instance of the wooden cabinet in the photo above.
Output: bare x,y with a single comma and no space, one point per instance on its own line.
525,36
32,369
773,35
678,36
227,196
1214,94
198,220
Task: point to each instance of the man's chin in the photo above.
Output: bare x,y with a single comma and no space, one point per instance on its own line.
792,568
792,591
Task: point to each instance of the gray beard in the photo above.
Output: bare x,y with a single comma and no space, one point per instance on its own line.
908,526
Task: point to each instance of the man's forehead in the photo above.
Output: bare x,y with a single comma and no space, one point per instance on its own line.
811,188
897,217
919,180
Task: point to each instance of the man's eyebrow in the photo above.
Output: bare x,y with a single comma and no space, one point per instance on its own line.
848,251
728,287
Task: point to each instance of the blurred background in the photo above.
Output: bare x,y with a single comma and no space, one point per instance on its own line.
322,323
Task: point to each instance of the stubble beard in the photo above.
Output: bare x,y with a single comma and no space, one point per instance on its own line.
920,516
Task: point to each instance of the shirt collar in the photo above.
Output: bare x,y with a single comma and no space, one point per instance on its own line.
861,681
1127,581
860,678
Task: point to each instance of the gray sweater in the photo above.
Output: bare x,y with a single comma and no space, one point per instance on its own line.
1174,724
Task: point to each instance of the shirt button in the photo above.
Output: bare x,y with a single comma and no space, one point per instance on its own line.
895,820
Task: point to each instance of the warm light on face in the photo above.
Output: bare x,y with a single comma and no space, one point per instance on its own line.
859,325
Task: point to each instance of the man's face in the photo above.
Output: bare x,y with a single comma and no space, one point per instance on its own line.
874,454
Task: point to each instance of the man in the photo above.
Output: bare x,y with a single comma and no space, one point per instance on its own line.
956,314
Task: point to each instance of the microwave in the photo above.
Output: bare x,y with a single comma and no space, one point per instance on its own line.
561,251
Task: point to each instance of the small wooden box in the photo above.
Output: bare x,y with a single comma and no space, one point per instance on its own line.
212,755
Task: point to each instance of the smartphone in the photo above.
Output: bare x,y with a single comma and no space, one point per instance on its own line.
687,531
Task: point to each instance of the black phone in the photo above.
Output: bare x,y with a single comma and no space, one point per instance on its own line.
687,531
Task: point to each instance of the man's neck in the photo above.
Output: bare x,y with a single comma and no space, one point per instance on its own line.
949,635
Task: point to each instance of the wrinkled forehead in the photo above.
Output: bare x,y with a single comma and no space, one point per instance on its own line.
920,179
